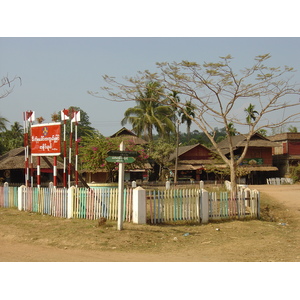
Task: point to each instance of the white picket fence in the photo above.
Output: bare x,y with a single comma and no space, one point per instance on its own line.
279,181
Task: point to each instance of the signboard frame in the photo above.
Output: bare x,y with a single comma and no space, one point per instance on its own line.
45,139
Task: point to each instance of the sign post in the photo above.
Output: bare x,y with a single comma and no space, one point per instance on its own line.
121,191
121,157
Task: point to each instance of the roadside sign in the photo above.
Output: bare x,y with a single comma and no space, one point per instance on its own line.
120,159
123,153
45,139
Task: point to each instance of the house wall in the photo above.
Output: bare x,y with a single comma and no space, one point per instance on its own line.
196,153
293,148
260,153
96,177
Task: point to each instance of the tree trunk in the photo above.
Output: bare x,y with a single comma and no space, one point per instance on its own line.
233,168
188,132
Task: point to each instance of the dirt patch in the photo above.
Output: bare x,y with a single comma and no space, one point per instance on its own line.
27,237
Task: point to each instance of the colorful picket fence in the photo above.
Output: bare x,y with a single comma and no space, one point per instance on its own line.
173,205
96,203
49,201
165,205
185,205
8,196
86,203
246,204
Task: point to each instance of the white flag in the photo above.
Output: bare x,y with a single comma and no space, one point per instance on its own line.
76,116
64,114
29,116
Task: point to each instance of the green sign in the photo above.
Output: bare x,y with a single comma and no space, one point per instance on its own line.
253,161
120,159
123,153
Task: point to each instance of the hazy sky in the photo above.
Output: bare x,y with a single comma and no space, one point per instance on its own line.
61,49
57,72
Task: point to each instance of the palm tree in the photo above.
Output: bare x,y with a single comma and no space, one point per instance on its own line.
149,113
13,138
250,113
3,122
186,116
293,129
231,129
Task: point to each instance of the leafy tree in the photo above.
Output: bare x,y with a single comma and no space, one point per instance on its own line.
295,173
293,129
160,151
84,126
13,138
94,149
217,91
3,122
40,120
149,113
263,132
231,130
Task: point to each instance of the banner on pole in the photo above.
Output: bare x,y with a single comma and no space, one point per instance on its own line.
29,116
76,116
64,114
45,139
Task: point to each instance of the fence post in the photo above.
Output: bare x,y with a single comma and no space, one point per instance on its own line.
20,193
168,185
139,206
201,184
70,202
204,212
257,194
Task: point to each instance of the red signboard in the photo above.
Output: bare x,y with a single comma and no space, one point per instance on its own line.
45,139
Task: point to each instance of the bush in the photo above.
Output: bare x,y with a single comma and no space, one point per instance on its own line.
295,173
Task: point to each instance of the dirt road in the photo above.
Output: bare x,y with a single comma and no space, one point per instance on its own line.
234,241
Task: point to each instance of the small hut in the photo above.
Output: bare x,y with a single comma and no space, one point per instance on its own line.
12,167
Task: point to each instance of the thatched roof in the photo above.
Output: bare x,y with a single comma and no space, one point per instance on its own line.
127,135
239,141
15,159
285,136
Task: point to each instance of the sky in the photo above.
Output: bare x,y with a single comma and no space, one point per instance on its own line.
61,51
58,72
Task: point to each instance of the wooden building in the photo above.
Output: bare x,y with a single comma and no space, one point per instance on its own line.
287,151
258,160
12,167
192,163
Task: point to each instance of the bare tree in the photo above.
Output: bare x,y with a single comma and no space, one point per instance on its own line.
7,85
220,96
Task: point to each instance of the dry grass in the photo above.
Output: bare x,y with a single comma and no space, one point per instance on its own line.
238,240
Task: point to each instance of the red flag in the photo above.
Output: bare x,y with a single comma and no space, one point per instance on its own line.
65,114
